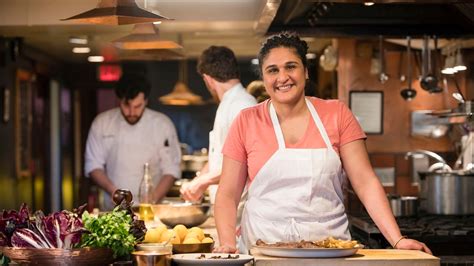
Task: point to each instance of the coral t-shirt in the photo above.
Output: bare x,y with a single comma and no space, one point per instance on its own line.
251,138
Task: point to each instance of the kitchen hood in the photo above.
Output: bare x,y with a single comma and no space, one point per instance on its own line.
117,12
145,36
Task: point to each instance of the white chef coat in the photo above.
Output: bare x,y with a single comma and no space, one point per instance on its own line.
121,149
234,100
297,195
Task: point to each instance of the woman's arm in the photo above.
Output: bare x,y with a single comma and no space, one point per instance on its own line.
231,185
369,190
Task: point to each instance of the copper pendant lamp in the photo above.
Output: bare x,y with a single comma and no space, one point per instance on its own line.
143,37
117,12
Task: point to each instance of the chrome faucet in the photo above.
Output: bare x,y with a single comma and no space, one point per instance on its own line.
435,156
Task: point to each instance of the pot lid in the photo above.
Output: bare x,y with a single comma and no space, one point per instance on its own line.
117,12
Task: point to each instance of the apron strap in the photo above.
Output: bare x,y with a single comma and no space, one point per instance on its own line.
316,119
319,124
277,128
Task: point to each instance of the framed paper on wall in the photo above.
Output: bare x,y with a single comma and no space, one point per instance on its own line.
367,107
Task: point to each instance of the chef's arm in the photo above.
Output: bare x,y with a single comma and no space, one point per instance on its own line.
101,179
194,190
370,191
163,187
231,185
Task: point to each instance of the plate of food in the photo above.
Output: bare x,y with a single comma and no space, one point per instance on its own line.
211,259
326,248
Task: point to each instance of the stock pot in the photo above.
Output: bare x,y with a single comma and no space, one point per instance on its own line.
449,193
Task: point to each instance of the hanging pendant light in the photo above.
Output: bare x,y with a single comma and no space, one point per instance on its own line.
145,36
117,12
181,94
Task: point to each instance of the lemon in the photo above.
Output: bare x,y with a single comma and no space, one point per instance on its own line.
181,231
153,235
207,240
191,240
170,233
199,232
192,235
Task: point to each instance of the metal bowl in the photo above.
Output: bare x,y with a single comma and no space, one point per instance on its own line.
188,214
150,258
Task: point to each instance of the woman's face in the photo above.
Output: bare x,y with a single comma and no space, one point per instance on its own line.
284,75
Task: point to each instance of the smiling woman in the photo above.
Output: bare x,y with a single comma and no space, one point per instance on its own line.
307,143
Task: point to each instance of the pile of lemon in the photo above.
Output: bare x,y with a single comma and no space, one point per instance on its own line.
178,235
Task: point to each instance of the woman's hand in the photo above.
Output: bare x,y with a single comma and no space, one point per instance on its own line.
413,244
225,249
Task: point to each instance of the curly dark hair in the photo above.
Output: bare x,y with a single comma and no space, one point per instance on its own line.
283,39
130,85
219,62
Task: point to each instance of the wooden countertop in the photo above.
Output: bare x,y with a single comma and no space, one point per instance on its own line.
391,257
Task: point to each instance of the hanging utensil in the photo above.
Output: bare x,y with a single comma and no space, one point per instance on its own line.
383,77
408,93
436,70
429,82
401,76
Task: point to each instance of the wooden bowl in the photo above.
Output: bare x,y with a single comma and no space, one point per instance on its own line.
58,256
193,248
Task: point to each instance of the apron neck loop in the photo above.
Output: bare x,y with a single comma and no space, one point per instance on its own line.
316,119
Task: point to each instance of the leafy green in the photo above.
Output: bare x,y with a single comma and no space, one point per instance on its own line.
110,230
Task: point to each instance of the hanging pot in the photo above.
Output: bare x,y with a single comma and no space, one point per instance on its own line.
429,81
408,93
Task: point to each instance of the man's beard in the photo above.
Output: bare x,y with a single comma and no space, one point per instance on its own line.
132,120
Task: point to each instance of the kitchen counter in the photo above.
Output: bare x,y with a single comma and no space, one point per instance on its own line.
391,257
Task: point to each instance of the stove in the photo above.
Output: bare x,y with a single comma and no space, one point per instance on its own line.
449,237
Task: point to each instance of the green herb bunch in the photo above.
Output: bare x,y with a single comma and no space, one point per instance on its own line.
110,230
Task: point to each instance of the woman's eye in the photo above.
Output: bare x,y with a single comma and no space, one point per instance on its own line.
272,70
290,66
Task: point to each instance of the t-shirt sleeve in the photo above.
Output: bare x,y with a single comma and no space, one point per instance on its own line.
170,153
234,146
349,127
95,151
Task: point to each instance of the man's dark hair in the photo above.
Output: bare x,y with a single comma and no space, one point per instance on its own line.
283,39
219,62
130,85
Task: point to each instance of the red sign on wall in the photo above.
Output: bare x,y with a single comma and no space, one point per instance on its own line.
109,73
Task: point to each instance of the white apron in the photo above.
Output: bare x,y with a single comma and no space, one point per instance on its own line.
296,195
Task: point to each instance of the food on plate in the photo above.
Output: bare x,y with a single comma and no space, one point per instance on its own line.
329,242
229,256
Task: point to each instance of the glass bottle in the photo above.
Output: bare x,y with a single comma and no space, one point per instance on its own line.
145,195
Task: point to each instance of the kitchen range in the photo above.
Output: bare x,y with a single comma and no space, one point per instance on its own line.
449,237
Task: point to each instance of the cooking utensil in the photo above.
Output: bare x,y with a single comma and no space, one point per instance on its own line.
403,206
176,212
447,193
428,81
151,258
401,76
436,71
408,93
383,77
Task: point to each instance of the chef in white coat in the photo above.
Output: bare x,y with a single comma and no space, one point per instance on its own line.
291,152
220,71
123,139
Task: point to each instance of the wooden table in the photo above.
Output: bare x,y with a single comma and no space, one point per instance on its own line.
392,257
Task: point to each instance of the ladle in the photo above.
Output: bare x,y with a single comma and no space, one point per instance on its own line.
408,93
429,82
